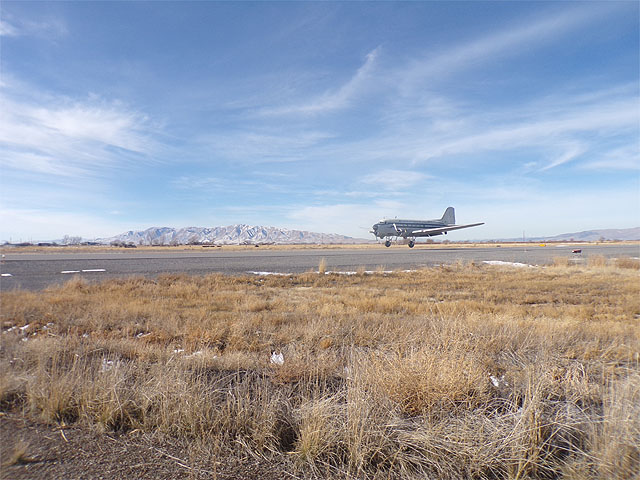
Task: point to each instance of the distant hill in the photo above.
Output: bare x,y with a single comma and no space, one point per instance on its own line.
593,235
229,235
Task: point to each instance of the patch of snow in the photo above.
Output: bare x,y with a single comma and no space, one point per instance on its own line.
333,272
277,358
142,335
366,272
510,264
498,381
271,273
178,350
107,365
25,327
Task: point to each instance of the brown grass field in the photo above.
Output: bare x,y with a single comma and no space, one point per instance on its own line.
454,372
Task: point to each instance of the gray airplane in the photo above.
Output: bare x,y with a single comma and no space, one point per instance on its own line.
410,229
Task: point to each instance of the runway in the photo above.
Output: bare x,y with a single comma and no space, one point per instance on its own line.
35,271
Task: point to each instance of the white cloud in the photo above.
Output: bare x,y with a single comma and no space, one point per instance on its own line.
7,29
511,41
391,179
336,99
256,146
60,136
50,28
558,131
626,157
572,151
193,182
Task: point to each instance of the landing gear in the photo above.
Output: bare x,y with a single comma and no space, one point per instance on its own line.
411,243
387,243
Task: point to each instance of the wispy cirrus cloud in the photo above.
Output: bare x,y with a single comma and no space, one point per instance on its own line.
333,100
507,42
560,130
391,179
262,144
51,27
70,137
7,29
419,124
623,158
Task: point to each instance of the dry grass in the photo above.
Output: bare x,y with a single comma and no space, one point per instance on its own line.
452,372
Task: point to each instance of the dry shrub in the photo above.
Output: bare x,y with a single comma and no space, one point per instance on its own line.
597,261
430,381
629,263
617,438
560,261
322,266
320,430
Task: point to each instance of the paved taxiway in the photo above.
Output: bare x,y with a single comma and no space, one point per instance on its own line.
34,271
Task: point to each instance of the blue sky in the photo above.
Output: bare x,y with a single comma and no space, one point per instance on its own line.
318,116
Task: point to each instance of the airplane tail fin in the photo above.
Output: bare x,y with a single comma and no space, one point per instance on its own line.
449,217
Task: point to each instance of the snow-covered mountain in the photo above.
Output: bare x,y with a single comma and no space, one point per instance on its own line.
229,235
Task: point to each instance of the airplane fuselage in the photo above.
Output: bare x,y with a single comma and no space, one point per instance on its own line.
405,228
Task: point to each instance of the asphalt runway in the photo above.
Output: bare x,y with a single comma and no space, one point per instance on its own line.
35,271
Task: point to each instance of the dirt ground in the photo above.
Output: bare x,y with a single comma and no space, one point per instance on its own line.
33,450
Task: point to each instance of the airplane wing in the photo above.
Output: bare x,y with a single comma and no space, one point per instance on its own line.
439,230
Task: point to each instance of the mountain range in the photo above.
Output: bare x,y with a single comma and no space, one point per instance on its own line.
592,235
229,235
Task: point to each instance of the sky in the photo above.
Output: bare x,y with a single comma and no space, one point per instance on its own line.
320,116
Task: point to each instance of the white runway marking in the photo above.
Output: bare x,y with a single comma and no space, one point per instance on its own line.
5,275
89,270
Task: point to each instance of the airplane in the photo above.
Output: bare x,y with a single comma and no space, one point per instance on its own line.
410,229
